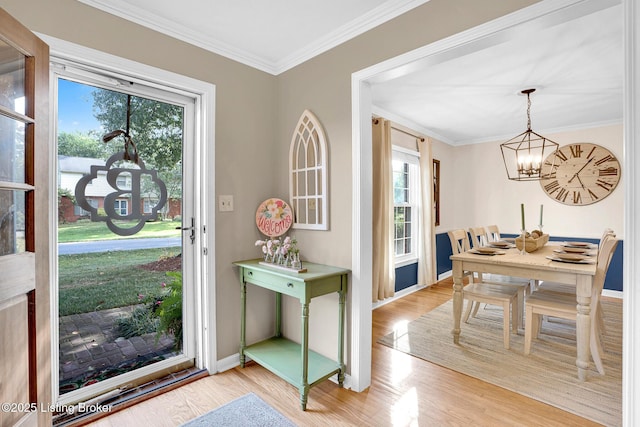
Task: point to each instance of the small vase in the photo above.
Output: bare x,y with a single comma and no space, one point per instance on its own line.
295,261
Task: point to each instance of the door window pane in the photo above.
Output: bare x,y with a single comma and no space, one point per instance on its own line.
12,222
12,68
12,153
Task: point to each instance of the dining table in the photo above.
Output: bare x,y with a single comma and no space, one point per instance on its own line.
533,266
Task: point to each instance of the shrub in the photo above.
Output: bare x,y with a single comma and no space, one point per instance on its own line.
169,311
141,321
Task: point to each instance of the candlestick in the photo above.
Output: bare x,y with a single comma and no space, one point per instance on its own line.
522,215
540,215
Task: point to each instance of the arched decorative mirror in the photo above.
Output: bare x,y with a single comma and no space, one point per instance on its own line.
308,174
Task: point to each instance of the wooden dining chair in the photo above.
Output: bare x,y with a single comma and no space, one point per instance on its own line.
564,305
565,289
479,237
478,291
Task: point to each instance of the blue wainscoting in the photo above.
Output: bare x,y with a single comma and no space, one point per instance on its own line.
406,276
612,282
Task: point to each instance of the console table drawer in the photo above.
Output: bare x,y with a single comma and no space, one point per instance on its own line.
274,283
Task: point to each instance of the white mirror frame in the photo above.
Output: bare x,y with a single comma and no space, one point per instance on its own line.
310,204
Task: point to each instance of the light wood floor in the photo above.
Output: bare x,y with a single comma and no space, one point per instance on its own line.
404,391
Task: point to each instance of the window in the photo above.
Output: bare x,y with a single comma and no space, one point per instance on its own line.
121,207
405,205
123,182
77,210
149,204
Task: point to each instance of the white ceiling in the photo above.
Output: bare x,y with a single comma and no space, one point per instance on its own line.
272,35
576,66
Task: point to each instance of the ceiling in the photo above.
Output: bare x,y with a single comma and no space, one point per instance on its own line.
575,66
272,35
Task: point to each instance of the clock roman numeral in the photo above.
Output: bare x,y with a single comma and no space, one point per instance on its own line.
577,197
592,194
561,155
610,171
576,150
552,187
562,194
605,159
607,186
591,152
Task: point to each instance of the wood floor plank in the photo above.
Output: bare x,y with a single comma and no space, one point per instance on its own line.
404,391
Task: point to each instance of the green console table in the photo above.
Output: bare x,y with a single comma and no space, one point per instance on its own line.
291,361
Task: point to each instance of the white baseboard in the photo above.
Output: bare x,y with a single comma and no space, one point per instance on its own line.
612,294
404,292
229,362
445,275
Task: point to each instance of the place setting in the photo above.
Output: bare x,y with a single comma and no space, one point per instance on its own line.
575,252
486,250
502,244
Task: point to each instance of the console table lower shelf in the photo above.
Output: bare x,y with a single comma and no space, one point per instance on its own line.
283,357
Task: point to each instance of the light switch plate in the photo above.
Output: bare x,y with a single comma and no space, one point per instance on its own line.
225,203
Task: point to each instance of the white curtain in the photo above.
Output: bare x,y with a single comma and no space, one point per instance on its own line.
427,244
383,225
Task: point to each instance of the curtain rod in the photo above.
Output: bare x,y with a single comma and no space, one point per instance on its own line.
375,121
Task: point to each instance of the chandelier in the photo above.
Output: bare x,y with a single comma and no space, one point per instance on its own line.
523,155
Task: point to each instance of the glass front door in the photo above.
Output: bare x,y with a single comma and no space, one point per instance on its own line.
125,236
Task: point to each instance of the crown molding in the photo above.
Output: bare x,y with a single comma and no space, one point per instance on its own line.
148,19
379,15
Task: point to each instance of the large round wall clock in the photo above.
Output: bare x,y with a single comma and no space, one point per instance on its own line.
580,174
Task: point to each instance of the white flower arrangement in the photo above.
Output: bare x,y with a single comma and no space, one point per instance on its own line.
282,252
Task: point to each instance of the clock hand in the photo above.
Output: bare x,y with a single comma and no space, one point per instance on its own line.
580,182
583,166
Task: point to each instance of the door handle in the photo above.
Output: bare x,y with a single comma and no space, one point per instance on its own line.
192,235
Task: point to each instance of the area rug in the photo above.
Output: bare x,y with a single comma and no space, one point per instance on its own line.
246,411
548,374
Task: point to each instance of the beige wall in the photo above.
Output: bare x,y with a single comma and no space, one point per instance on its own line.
482,204
255,116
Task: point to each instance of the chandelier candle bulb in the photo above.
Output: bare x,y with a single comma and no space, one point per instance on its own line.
522,215
540,216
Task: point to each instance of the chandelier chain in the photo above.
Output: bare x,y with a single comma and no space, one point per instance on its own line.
528,112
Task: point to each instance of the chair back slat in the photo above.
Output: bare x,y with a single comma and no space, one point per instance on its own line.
493,233
478,236
459,241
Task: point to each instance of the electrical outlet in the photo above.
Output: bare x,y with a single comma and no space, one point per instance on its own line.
225,203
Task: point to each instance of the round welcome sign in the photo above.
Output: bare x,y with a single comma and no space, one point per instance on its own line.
274,217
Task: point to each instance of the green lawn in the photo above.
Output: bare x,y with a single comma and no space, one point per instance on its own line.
98,281
85,230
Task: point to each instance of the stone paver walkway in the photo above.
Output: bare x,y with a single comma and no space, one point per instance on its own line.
89,342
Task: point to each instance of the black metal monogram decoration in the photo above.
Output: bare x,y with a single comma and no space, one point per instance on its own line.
136,211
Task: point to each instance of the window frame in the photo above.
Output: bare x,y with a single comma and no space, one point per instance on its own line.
412,158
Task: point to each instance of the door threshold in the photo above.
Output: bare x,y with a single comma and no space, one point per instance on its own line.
127,398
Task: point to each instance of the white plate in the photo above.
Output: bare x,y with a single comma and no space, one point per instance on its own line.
584,261
487,251
578,245
501,244
577,251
